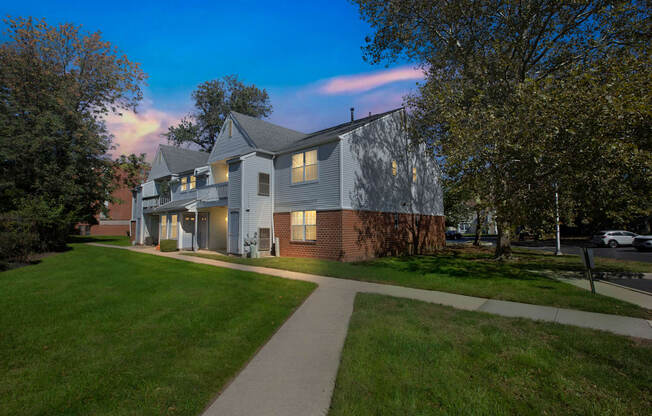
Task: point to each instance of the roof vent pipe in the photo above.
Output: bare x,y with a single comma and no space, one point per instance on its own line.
352,118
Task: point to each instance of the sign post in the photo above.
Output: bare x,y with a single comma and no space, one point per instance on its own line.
589,264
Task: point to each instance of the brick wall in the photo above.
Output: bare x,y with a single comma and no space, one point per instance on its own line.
356,235
329,233
109,229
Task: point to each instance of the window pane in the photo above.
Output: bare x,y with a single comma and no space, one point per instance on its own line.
311,157
414,174
311,173
394,168
297,160
193,182
297,218
297,232
311,232
311,217
297,175
263,184
263,237
173,226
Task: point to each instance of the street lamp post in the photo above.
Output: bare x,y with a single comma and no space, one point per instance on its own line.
558,232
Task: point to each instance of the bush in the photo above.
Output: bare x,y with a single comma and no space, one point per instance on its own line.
17,239
168,245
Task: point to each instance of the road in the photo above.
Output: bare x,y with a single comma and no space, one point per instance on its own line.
620,253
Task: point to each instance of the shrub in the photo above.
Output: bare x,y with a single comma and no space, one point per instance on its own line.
168,245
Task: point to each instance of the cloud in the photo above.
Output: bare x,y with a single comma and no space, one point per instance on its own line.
365,82
139,132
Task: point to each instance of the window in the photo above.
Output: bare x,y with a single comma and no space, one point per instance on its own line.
164,227
414,174
193,182
304,166
263,239
394,168
304,225
184,184
173,226
263,184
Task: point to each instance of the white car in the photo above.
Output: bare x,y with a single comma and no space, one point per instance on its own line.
614,238
643,242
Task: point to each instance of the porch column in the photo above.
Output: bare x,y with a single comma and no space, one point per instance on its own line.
194,236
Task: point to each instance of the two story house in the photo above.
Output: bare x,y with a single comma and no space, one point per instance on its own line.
353,191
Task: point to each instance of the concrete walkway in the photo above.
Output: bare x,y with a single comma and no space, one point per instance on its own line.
608,288
294,373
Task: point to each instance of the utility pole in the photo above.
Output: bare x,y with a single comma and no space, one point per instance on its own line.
558,231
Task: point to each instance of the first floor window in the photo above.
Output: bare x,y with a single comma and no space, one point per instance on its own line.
164,227
264,239
173,226
304,225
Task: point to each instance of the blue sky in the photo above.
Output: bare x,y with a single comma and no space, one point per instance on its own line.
305,53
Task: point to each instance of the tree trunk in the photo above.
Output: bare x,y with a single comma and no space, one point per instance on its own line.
503,243
480,218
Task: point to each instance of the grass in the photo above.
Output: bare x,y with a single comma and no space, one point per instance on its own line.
466,271
405,357
111,332
114,240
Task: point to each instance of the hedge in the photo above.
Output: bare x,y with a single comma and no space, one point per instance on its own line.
168,245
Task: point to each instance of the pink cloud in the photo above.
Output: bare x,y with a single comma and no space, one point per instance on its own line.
139,132
365,82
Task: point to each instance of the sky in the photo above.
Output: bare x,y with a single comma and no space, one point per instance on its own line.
306,54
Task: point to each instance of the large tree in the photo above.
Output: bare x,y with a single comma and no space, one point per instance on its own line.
57,84
213,102
493,66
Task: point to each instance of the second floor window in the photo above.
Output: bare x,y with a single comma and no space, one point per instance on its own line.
188,183
263,184
193,182
394,168
304,166
184,184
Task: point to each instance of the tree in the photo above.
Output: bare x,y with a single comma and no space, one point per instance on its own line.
213,102
133,169
487,62
58,83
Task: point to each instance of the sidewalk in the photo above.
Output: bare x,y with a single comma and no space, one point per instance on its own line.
294,373
619,292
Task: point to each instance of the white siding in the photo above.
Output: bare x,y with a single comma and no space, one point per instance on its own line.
257,210
227,147
367,179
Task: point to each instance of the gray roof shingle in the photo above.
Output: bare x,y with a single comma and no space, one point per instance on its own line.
182,160
265,135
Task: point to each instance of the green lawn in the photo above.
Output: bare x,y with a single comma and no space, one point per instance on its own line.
405,357
98,331
467,271
114,240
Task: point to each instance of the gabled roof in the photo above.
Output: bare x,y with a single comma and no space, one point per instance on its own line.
178,160
265,135
331,133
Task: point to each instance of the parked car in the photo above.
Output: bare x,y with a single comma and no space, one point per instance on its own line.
614,238
453,235
643,242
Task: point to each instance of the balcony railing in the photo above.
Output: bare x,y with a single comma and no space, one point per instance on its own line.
155,202
213,192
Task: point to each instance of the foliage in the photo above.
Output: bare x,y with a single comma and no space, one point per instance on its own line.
213,101
132,169
168,245
57,85
500,103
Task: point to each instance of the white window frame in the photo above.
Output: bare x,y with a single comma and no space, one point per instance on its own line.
303,225
269,185
316,164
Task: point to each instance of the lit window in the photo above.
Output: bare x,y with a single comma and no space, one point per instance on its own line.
304,225
193,182
263,184
184,184
304,166
173,226
394,168
164,227
414,174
